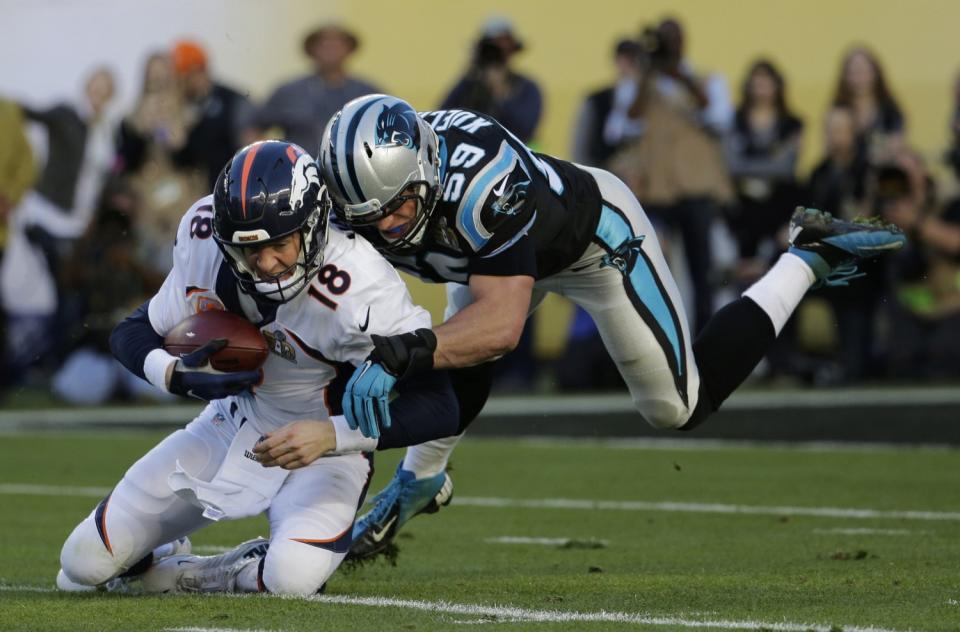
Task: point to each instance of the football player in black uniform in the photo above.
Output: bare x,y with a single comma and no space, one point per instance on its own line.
451,196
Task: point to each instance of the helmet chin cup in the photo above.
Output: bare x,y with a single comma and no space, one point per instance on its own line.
283,291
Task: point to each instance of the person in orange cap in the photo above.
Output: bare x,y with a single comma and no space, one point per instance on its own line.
221,115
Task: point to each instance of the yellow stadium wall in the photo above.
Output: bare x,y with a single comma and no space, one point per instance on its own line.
417,48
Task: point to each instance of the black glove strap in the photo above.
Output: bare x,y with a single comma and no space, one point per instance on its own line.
405,354
176,382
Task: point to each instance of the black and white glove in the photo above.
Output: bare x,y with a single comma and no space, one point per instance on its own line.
192,377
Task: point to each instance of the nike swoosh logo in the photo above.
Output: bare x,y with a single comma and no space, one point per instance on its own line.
366,321
503,185
377,536
366,367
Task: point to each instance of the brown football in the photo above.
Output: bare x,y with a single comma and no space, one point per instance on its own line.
246,348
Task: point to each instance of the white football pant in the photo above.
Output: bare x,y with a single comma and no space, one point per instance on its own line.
623,282
311,516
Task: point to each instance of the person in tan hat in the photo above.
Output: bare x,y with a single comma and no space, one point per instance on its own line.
302,107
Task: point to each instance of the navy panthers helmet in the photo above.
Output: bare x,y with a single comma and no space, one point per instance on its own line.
376,154
268,190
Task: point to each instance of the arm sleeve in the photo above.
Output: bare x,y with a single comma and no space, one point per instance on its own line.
133,339
426,410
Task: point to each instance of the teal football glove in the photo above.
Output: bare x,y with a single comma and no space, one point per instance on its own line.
366,400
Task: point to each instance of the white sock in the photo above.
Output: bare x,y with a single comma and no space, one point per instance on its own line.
429,459
247,578
780,290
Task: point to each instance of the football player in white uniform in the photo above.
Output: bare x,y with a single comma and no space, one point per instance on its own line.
454,197
259,247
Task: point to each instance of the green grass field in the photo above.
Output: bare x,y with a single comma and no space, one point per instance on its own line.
548,535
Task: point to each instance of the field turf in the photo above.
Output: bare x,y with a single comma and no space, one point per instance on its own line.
552,535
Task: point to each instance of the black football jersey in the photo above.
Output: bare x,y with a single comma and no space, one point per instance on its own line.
504,209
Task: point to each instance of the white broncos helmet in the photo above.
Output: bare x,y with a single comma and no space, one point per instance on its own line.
376,154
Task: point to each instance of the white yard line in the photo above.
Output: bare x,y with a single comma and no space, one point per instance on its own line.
29,489
715,508
22,588
506,613
196,629
854,531
693,444
515,539
503,614
583,505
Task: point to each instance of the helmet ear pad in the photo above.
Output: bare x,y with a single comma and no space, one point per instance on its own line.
270,190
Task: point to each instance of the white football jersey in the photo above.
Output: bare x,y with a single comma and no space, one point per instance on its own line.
314,339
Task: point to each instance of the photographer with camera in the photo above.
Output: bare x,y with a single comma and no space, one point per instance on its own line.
676,167
926,314
491,87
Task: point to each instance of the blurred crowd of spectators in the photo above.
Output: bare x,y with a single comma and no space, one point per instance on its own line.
88,236
703,165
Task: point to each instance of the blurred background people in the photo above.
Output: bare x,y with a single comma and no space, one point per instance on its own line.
865,137
878,120
17,175
761,152
602,125
156,126
601,128
676,168
218,117
926,315
101,281
149,138
302,107
44,226
836,184
665,126
493,87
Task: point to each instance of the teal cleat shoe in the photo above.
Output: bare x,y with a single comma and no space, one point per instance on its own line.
401,500
832,247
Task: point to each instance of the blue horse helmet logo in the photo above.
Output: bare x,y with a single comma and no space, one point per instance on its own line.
397,125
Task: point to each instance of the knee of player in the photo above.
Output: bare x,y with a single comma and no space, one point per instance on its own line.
85,559
663,414
289,571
